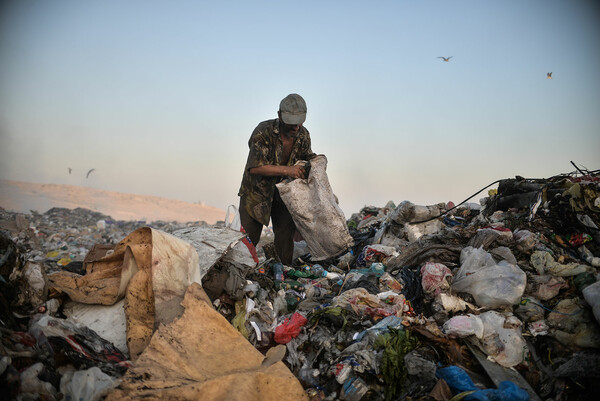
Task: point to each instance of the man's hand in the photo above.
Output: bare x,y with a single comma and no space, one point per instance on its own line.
295,171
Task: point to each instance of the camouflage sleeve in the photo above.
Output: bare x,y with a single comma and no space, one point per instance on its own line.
259,150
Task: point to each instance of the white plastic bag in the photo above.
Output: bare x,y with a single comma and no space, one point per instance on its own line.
235,223
591,293
91,384
318,217
464,326
503,344
492,284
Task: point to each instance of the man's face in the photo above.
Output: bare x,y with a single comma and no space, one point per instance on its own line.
289,129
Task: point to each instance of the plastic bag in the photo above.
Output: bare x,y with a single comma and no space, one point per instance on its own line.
290,328
464,326
235,223
318,217
91,384
492,284
502,339
459,381
591,294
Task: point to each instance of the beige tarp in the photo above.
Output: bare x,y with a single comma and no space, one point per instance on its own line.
202,356
151,269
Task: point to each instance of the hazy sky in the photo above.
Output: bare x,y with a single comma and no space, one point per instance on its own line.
160,97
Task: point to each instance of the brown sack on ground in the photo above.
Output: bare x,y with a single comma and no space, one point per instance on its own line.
202,356
150,268
107,277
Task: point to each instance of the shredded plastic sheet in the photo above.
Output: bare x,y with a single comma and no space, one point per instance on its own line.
318,217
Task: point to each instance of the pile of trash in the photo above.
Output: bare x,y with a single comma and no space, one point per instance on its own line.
492,300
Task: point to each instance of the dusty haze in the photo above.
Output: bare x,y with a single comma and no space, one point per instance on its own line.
22,197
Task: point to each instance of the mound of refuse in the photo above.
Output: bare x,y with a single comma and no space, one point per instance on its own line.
492,300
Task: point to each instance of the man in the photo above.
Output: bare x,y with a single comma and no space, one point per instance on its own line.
275,147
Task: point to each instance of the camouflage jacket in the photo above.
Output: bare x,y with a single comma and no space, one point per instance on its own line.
266,148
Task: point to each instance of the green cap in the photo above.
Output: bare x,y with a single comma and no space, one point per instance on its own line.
293,109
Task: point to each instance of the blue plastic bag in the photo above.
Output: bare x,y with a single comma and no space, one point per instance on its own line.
459,381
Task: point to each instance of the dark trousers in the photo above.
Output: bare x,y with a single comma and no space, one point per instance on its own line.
283,228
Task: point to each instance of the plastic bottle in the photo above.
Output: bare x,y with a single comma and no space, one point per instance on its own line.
318,270
313,291
277,271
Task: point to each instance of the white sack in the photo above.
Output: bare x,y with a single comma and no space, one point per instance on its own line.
318,217
211,243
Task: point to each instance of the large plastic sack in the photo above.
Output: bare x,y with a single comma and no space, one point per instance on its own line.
211,243
591,293
202,356
459,381
317,216
492,284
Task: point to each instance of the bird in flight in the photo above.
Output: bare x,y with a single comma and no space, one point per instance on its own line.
446,58
549,75
70,169
89,172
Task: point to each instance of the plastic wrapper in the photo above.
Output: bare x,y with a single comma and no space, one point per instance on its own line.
544,263
290,328
434,277
362,302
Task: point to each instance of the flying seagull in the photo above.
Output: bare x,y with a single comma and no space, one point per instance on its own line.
549,75
446,58
89,172
70,169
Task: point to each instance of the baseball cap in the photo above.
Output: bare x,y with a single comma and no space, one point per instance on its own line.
293,109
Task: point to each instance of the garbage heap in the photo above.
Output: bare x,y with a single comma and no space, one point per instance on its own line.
494,300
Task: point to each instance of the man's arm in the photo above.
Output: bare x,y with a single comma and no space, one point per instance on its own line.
295,171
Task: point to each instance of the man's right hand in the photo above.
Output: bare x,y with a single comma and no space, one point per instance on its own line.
295,171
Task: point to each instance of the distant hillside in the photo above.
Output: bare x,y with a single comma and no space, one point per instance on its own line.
24,196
